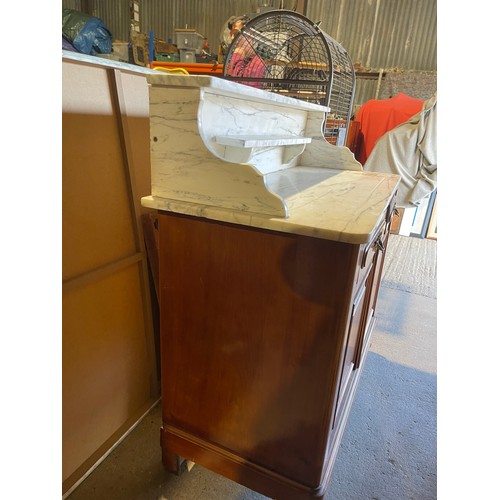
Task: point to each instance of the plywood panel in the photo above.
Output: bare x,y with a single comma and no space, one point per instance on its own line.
137,105
96,220
95,205
105,362
109,363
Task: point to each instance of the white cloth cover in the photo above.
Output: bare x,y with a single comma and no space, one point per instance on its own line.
410,150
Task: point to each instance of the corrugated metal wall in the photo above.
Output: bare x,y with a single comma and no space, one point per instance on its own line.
164,16
377,34
382,33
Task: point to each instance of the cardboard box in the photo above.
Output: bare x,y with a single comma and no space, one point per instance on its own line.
121,50
189,39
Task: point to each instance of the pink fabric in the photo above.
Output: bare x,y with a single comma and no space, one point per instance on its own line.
248,68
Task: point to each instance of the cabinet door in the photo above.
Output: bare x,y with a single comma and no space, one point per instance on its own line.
363,310
372,286
351,350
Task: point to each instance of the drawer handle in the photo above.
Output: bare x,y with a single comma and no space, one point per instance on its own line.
380,245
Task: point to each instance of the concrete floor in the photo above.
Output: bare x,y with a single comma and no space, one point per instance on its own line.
388,451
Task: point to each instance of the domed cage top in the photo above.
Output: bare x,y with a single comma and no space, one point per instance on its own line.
284,52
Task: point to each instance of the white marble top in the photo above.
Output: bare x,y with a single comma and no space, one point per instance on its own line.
340,205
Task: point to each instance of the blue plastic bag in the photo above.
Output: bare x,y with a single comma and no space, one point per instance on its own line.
87,34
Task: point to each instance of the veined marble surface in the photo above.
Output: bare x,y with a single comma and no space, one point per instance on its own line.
338,205
204,148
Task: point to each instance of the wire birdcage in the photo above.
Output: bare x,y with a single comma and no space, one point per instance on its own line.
284,52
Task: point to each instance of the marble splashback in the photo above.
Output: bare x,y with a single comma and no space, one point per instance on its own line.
191,119
222,116
186,165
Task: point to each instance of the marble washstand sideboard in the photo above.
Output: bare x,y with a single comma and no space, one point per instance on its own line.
271,247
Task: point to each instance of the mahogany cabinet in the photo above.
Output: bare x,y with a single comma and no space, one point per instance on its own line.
263,337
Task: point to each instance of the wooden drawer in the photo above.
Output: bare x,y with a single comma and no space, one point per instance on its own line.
377,243
367,254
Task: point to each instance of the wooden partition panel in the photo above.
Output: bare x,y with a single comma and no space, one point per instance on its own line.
109,370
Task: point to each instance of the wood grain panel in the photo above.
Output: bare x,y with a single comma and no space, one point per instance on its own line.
255,322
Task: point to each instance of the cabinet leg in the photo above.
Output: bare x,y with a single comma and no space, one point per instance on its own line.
171,462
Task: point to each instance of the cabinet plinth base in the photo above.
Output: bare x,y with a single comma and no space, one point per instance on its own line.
232,467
